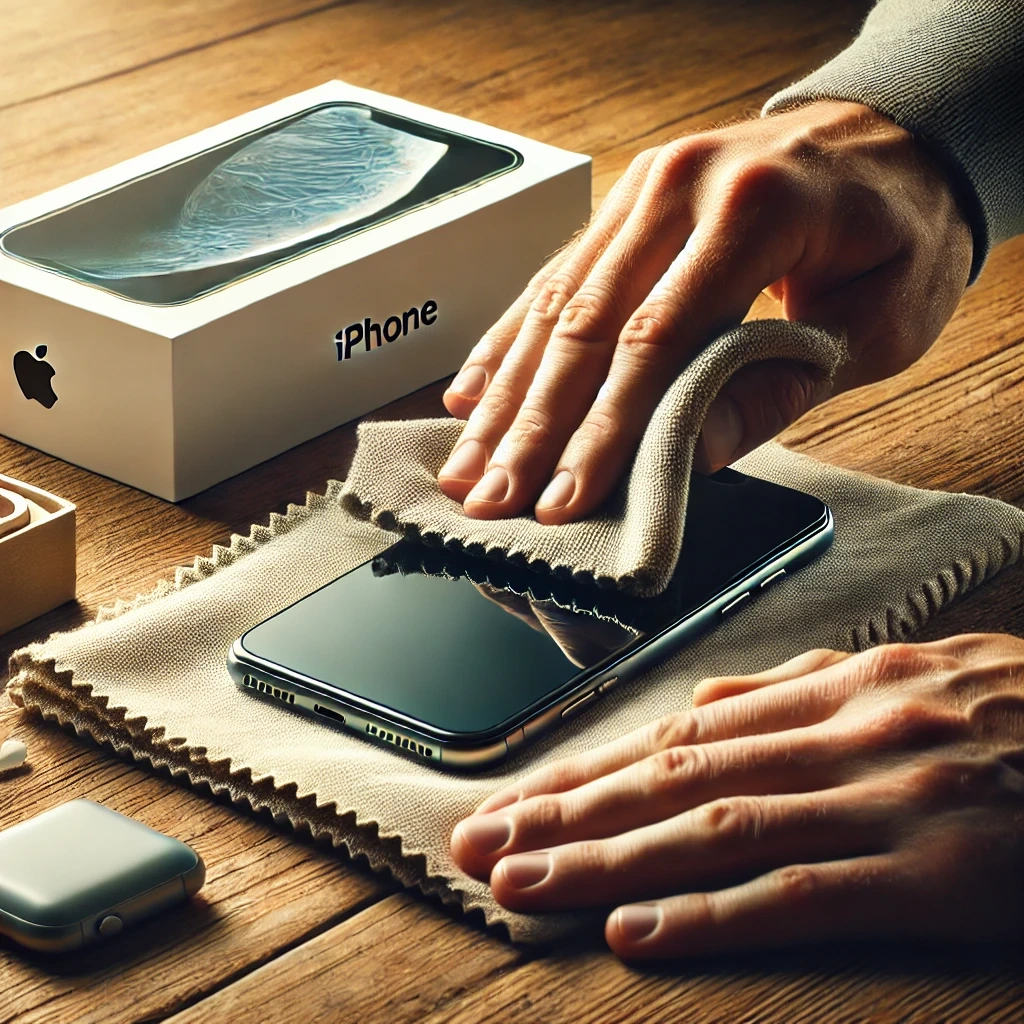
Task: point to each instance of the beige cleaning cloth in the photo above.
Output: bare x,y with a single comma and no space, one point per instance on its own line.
633,541
149,676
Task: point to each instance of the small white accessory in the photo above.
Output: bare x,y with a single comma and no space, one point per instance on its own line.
14,512
12,755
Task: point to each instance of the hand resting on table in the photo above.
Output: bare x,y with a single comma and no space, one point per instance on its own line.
837,796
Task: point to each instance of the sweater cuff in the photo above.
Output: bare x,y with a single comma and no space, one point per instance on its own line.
951,72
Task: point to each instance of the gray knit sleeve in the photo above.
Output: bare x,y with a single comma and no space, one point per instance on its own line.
951,72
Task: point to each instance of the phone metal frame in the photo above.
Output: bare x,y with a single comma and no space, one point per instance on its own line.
475,752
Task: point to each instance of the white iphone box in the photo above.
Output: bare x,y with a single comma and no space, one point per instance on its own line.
182,316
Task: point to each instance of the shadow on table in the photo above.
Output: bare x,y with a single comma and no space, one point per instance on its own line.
955,963
142,942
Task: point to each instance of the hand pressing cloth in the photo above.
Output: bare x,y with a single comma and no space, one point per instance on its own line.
149,676
632,542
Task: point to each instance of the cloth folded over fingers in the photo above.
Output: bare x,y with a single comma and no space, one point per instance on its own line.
631,543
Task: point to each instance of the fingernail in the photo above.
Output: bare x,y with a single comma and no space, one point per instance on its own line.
559,492
467,462
493,487
638,921
470,382
723,432
526,869
486,833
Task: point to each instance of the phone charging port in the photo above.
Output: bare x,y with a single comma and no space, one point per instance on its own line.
329,713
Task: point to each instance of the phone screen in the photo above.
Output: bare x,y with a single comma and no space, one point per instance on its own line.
248,204
464,644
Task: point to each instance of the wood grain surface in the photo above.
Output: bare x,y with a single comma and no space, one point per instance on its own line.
289,931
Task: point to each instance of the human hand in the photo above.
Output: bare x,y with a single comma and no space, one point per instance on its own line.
837,796
831,208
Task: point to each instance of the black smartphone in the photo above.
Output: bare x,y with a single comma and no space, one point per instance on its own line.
459,661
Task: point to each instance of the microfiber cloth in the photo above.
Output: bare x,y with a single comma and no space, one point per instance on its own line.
632,542
149,676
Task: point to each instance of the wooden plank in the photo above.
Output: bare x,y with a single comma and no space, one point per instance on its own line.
45,52
395,962
886,985
567,74
952,421
266,891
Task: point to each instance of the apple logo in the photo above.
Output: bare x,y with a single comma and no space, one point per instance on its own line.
34,375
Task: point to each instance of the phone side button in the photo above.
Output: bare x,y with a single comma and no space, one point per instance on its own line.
514,740
608,684
774,578
580,704
736,603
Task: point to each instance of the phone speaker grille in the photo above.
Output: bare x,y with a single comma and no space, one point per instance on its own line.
252,683
382,735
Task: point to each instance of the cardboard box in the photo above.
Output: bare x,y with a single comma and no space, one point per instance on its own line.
37,562
176,319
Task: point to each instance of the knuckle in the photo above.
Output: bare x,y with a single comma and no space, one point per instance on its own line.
647,331
600,428
908,723
733,820
583,316
823,654
502,394
644,159
798,883
703,911
936,781
677,767
546,814
624,192
487,350
894,661
681,162
532,428
676,730
803,145
562,775
556,291
928,781
761,186
595,859
550,268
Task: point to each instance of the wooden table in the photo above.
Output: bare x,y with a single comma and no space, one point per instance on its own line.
286,930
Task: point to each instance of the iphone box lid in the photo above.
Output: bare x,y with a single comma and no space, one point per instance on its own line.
180,317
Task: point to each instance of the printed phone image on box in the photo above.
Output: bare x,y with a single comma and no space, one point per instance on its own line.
184,315
248,204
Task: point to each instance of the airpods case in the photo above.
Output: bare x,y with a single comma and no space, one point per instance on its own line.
80,873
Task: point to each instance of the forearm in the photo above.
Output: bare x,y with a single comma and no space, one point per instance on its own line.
952,73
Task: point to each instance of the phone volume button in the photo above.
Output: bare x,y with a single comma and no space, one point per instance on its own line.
736,603
774,578
579,704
